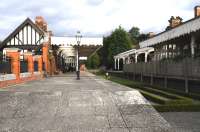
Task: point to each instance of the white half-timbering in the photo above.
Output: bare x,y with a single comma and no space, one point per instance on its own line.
26,37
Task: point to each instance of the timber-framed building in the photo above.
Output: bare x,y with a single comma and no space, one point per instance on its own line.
28,37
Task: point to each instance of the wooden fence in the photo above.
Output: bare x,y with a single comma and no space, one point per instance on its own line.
187,68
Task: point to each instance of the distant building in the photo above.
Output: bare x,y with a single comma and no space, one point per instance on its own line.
67,51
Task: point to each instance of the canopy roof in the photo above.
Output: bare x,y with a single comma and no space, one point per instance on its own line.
134,52
187,27
71,41
88,45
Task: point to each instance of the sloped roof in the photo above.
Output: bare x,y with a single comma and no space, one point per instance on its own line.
71,41
187,27
134,51
27,21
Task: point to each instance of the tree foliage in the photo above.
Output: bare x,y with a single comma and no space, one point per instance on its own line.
93,61
119,41
134,33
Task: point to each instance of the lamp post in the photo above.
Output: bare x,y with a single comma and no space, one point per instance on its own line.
78,40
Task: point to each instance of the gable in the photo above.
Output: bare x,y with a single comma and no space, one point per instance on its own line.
27,34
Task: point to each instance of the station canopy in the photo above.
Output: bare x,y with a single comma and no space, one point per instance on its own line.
88,45
186,28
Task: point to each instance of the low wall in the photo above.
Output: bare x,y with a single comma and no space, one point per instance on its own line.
25,74
7,77
10,79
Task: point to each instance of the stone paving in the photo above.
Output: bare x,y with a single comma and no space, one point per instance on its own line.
64,104
183,121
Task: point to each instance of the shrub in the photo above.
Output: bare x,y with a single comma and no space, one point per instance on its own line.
177,108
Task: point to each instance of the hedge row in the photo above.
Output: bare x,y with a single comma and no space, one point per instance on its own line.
190,95
161,93
164,101
154,98
174,91
141,85
177,108
174,99
156,95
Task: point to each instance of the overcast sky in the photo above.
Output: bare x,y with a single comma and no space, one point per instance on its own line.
94,17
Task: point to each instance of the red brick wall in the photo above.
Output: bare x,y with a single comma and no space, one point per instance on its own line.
15,67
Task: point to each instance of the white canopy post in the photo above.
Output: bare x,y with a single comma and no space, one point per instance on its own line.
146,57
192,44
136,57
115,63
123,60
128,60
118,64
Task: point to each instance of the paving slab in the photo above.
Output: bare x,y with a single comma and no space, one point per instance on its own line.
183,121
64,104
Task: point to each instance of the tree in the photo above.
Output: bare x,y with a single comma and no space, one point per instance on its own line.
103,52
134,34
93,61
119,41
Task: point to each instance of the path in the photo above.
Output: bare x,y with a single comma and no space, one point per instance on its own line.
64,104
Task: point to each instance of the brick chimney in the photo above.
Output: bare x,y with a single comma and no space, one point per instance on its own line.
175,21
151,34
197,11
41,23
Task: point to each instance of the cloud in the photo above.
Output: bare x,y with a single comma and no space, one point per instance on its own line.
95,2
94,17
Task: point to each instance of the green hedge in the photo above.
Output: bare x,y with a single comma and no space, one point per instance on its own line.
174,99
154,95
134,84
177,108
190,95
164,101
161,93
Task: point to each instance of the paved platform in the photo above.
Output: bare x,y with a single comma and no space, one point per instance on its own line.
183,121
64,104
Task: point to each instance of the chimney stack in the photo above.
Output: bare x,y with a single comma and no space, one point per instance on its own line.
151,34
41,23
197,11
175,21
